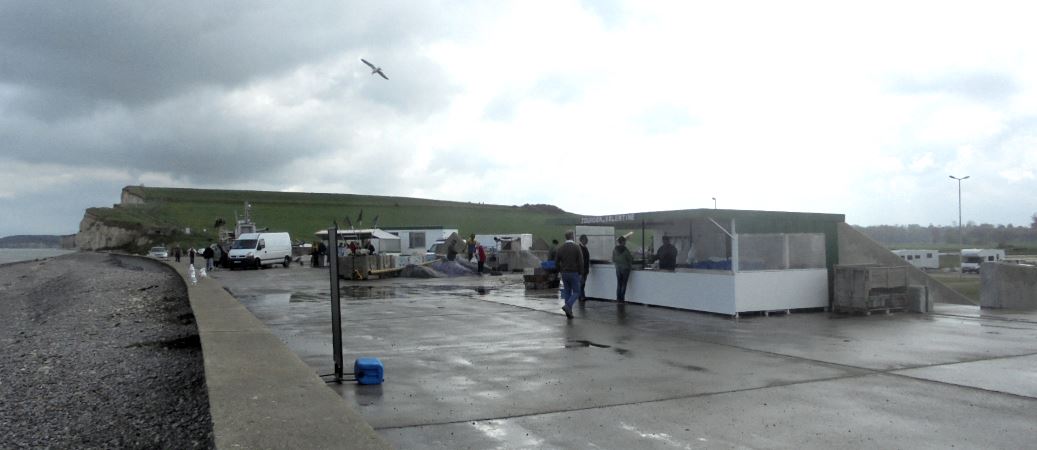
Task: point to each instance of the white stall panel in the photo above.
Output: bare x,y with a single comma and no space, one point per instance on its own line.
781,289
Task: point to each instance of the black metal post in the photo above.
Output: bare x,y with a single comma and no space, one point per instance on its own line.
644,256
336,310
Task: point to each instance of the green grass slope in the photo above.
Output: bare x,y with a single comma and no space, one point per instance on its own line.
302,214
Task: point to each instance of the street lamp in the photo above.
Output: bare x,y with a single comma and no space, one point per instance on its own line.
714,203
961,236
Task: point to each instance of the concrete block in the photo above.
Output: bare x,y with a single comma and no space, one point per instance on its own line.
1010,286
918,299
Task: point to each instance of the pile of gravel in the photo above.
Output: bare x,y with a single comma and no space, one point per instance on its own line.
452,268
99,350
416,271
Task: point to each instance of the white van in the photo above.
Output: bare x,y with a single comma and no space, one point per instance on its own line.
261,249
972,258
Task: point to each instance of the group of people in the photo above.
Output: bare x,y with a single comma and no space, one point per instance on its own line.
213,254
573,263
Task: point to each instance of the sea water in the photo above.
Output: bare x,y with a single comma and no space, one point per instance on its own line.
10,255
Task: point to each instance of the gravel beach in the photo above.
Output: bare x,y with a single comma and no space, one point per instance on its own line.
99,350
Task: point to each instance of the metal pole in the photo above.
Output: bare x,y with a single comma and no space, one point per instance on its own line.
644,256
336,310
961,232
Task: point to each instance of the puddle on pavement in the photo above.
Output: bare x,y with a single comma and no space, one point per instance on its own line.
685,366
301,297
576,343
365,292
581,343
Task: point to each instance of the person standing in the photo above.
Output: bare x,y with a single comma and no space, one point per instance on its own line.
471,246
624,262
190,256
208,254
667,255
569,261
586,270
553,251
177,252
480,254
322,254
224,257
217,256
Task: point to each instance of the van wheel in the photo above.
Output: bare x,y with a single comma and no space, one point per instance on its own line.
287,262
259,264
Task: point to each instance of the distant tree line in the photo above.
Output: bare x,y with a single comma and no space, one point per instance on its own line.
31,241
973,235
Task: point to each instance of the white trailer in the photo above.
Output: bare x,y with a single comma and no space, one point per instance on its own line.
415,240
973,258
922,259
512,241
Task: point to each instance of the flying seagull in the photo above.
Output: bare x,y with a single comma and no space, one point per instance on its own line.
374,69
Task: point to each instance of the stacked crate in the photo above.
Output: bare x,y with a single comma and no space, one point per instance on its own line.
868,288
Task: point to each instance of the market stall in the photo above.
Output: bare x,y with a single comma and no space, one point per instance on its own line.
729,262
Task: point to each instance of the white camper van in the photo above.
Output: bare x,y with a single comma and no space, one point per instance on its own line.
922,259
972,258
261,249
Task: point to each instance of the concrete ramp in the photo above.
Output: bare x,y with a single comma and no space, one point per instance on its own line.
856,248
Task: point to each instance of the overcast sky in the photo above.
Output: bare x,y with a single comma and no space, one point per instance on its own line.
598,107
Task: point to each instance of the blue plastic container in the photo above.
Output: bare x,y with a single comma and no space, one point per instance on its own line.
368,371
548,265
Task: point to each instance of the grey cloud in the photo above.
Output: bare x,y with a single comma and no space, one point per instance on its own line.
977,86
56,211
137,52
140,86
191,139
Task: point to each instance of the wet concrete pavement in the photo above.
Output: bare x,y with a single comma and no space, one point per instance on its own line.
481,363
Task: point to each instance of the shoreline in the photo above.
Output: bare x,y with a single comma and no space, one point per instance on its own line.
107,355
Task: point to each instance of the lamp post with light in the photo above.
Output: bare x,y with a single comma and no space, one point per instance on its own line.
961,235
714,203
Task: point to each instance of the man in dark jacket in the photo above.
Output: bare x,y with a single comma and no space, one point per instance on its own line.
208,254
624,262
569,260
586,267
667,255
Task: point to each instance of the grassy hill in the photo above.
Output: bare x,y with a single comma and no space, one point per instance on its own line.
167,211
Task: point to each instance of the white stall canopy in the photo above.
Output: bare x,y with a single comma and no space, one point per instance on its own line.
384,242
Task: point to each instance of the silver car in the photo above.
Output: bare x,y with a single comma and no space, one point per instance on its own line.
158,252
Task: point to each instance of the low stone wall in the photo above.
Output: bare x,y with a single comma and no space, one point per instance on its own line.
1011,286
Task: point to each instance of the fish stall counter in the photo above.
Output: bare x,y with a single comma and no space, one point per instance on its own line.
716,291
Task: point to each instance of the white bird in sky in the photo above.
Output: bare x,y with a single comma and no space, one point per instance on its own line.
374,69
